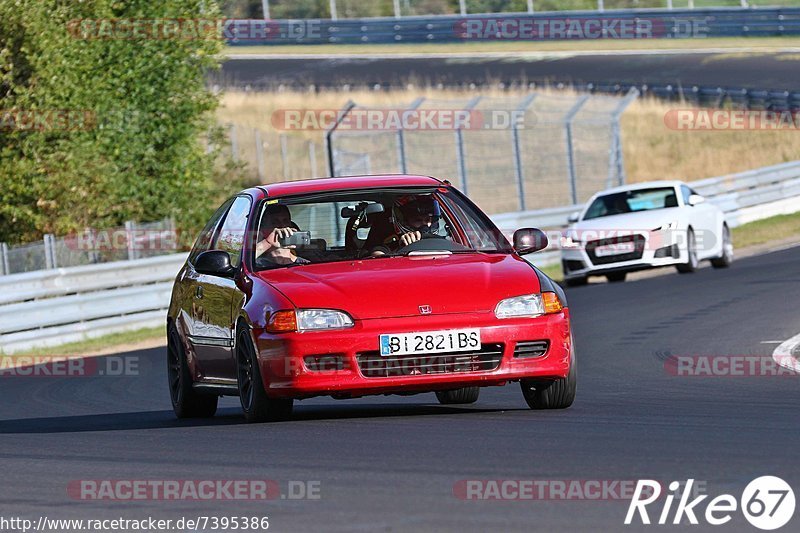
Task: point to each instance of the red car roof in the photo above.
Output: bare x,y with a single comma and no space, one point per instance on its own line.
347,182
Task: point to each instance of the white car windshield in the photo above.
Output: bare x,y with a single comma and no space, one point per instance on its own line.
632,201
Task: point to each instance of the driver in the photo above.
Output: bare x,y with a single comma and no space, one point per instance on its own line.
413,217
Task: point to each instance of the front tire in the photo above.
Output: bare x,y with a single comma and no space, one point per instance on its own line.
458,396
186,402
551,394
256,405
692,262
725,260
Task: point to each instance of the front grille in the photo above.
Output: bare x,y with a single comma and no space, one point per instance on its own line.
639,243
571,265
531,348
372,365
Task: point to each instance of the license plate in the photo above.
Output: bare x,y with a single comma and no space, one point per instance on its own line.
614,249
452,340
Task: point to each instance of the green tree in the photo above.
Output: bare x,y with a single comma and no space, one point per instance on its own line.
139,156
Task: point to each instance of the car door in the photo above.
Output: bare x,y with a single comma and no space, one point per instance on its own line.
214,297
703,218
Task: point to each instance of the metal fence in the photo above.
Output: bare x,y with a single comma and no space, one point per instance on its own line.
91,246
508,154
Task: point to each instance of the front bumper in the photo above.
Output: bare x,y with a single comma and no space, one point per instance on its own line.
286,374
657,250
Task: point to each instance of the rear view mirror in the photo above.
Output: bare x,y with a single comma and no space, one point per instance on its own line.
214,263
573,217
363,207
695,199
529,240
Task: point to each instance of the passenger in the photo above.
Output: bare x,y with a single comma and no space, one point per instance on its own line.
277,224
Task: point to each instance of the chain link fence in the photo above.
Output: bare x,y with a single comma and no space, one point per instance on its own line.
92,246
509,154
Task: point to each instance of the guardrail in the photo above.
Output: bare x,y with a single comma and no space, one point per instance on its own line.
51,307
667,24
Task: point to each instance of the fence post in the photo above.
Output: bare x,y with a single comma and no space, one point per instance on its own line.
600,5
530,6
234,144
285,155
519,171
49,256
129,227
669,4
573,185
462,7
333,10
616,163
4,259
401,140
329,149
265,8
460,153
312,159
262,172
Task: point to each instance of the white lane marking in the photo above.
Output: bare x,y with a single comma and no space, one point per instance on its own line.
783,354
558,54
771,342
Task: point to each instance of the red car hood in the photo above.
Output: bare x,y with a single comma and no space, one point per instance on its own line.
398,286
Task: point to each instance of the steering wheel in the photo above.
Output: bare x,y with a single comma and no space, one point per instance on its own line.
430,241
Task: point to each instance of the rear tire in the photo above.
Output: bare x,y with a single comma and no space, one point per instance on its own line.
725,260
691,250
576,282
458,396
552,394
616,277
186,402
256,405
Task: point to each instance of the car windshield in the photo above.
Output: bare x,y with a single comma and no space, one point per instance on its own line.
324,228
632,201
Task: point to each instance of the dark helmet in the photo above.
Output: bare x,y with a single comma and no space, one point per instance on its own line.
407,207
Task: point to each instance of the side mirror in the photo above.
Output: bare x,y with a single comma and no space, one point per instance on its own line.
573,218
695,199
214,263
529,240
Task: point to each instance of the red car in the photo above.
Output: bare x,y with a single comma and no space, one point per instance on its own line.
353,286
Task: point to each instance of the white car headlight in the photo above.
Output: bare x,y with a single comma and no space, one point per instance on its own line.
311,319
529,305
568,242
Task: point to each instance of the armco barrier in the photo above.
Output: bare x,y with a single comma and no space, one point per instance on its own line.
668,24
50,307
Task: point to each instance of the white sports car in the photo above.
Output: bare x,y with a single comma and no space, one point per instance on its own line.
646,225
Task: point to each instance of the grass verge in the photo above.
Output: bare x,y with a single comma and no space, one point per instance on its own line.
771,229
103,343
761,44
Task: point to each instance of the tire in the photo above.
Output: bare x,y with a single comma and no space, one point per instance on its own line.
256,405
186,402
616,277
576,282
552,394
691,250
725,260
458,396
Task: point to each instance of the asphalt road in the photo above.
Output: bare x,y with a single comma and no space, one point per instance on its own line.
765,71
390,464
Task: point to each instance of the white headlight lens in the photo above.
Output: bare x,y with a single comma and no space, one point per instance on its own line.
528,305
322,319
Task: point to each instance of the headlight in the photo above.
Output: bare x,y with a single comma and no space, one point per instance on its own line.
310,319
529,305
568,242
668,226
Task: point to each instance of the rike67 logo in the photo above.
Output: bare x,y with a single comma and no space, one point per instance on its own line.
767,503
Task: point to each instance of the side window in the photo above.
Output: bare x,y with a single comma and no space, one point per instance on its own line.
686,192
204,239
231,235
